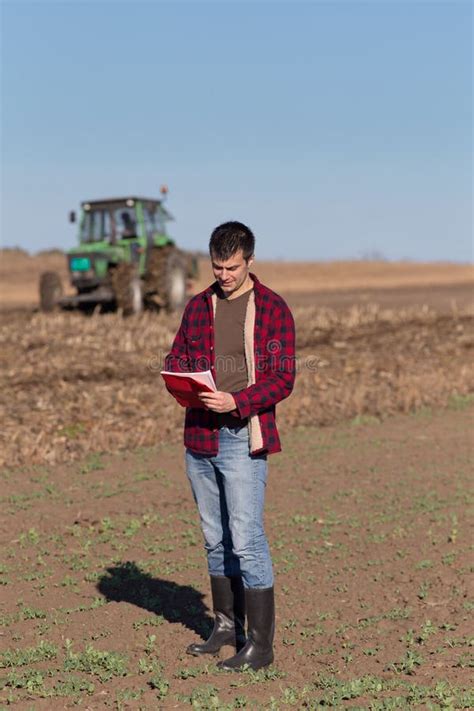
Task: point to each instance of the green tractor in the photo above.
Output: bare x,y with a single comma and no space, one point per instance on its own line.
125,260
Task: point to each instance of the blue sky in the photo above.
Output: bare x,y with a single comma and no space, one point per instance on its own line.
334,129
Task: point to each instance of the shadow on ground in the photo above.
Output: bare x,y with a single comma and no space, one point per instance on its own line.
176,603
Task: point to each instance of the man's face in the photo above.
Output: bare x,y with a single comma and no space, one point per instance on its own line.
231,273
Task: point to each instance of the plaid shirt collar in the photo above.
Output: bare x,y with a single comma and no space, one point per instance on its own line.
214,287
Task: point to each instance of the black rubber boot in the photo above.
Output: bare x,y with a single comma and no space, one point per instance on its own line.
258,652
228,602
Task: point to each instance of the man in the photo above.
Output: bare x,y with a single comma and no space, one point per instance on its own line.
129,227
244,333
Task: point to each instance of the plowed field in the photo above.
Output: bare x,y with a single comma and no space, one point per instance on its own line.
74,384
102,570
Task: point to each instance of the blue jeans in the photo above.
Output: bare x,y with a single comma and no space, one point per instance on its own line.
229,490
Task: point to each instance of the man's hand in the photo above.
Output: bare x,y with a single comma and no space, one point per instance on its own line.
218,401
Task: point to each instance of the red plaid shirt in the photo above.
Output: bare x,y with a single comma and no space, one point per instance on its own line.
274,354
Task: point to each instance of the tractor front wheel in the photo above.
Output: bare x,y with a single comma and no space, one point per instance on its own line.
51,290
127,288
167,277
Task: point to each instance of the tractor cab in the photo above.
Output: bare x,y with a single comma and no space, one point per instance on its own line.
113,220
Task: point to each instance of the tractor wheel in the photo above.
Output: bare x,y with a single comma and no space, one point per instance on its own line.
127,288
166,277
51,290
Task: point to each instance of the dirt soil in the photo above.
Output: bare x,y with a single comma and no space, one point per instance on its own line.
72,384
104,579
102,568
20,272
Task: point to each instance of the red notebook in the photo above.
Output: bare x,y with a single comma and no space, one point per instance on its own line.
185,386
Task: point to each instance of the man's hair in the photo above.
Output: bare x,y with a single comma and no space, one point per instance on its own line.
228,238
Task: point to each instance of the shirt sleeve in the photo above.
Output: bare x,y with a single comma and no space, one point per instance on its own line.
280,377
177,360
